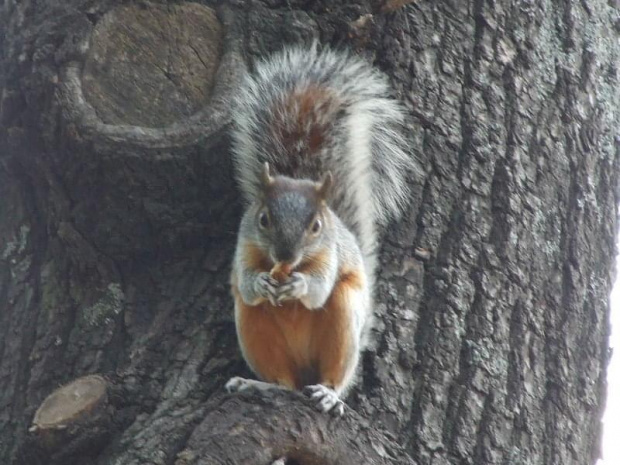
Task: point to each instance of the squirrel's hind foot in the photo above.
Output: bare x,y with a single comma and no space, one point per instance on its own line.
326,399
238,384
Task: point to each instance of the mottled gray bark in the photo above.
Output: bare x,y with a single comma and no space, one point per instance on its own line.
118,217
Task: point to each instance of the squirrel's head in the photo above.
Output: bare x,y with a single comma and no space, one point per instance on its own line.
293,216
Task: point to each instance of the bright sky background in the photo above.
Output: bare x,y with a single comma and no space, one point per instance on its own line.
611,419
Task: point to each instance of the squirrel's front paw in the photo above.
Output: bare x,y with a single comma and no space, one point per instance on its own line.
293,288
326,399
266,287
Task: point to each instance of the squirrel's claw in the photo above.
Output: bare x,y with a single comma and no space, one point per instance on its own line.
326,399
266,287
295,287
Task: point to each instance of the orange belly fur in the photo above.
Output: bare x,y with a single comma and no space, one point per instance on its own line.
290,345
293,346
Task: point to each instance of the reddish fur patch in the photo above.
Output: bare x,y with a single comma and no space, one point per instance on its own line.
293,346
318,264
352,279
300,118
333,331
275,340
313,102
256,258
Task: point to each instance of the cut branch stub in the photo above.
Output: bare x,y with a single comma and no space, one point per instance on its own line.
151,65
260,427
77,413
153,75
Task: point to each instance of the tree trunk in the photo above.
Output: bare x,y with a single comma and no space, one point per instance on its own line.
118,218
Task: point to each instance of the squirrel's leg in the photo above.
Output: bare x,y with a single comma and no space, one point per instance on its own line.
263,345
337,340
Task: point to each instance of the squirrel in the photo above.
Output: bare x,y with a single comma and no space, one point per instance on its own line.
321,162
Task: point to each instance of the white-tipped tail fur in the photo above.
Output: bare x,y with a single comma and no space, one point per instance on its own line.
307,111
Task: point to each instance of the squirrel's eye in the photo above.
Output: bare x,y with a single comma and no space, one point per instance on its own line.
263,220
316,226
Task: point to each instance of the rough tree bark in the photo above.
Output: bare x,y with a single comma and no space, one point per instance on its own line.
118,217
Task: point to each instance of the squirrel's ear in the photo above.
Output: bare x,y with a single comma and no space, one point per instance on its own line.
266,177
324,186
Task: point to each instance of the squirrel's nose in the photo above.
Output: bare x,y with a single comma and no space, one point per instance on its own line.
285,255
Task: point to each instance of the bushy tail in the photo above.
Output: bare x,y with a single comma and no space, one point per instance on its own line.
306,111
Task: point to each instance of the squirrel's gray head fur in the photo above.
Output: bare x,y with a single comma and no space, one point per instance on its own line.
292,215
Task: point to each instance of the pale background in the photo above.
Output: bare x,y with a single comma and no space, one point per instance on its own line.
611,420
